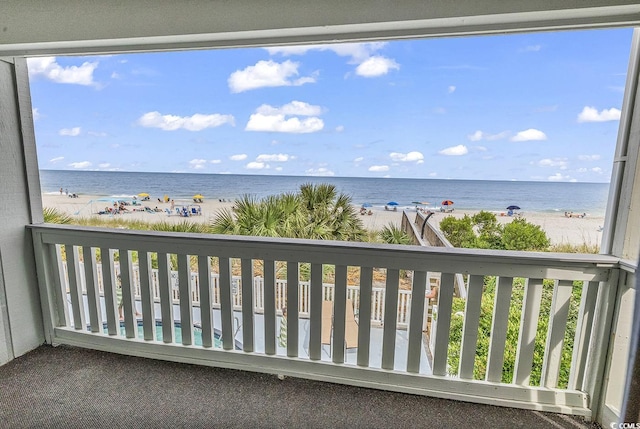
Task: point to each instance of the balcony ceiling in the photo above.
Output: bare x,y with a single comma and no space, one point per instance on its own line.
42,27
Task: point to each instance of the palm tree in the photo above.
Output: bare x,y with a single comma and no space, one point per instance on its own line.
52,215
316,212
392,234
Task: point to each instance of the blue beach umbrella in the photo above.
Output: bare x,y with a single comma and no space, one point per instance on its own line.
392,203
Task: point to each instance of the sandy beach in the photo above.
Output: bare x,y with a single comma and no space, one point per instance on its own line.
559,228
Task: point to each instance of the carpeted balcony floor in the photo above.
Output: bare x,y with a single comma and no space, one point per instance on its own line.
67,387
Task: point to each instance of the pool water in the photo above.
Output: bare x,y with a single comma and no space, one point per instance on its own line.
177,333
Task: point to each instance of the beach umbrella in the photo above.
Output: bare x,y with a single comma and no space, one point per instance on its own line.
513,208
198,196
447,203
422,203
392,203
143,194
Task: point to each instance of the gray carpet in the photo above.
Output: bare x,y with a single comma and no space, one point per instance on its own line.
67,387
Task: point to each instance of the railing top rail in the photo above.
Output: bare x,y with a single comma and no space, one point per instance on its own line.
454,260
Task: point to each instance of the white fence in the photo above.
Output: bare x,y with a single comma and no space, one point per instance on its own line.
353,293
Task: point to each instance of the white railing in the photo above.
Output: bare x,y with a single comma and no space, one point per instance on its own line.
539,289
353,293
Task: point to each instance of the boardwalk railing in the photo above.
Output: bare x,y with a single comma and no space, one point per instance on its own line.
539,288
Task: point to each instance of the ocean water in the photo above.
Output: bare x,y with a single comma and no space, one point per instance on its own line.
489,195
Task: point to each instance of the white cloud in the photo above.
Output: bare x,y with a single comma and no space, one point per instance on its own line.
73,132
115,75
83,164
480,148
104,165
96,134
376,66
197,164
407,157
278,168
50,69
256,165
481,135
590,114
555,162
359,159
278,123
558,177
56,159
433,174
322,171
196,122
357,51
215,161
597,170
267,74
340,128
455,150
299,108
589,157
238,157
35,113
276,157
274,119
581,170
379,168
451,89
529,135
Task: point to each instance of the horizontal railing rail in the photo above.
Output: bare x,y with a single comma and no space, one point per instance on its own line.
535,312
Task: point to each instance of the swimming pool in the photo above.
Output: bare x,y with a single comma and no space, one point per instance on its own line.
177,333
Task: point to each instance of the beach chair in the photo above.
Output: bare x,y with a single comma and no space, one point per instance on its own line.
327,322
351,327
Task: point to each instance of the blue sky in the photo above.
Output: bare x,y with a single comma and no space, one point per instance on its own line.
541,107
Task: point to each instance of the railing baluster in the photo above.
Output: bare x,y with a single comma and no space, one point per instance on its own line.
390,319
315,312
470,327
292,308
247,305
127,294
499,326
443,324
364,315
226,304
185,288
166,297
415,324
93,297
555,337
269,307
206,310
61,285
146,296
339,314
528,328
584,327
77,301
108,280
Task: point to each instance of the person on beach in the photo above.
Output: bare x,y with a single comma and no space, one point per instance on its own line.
60,191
